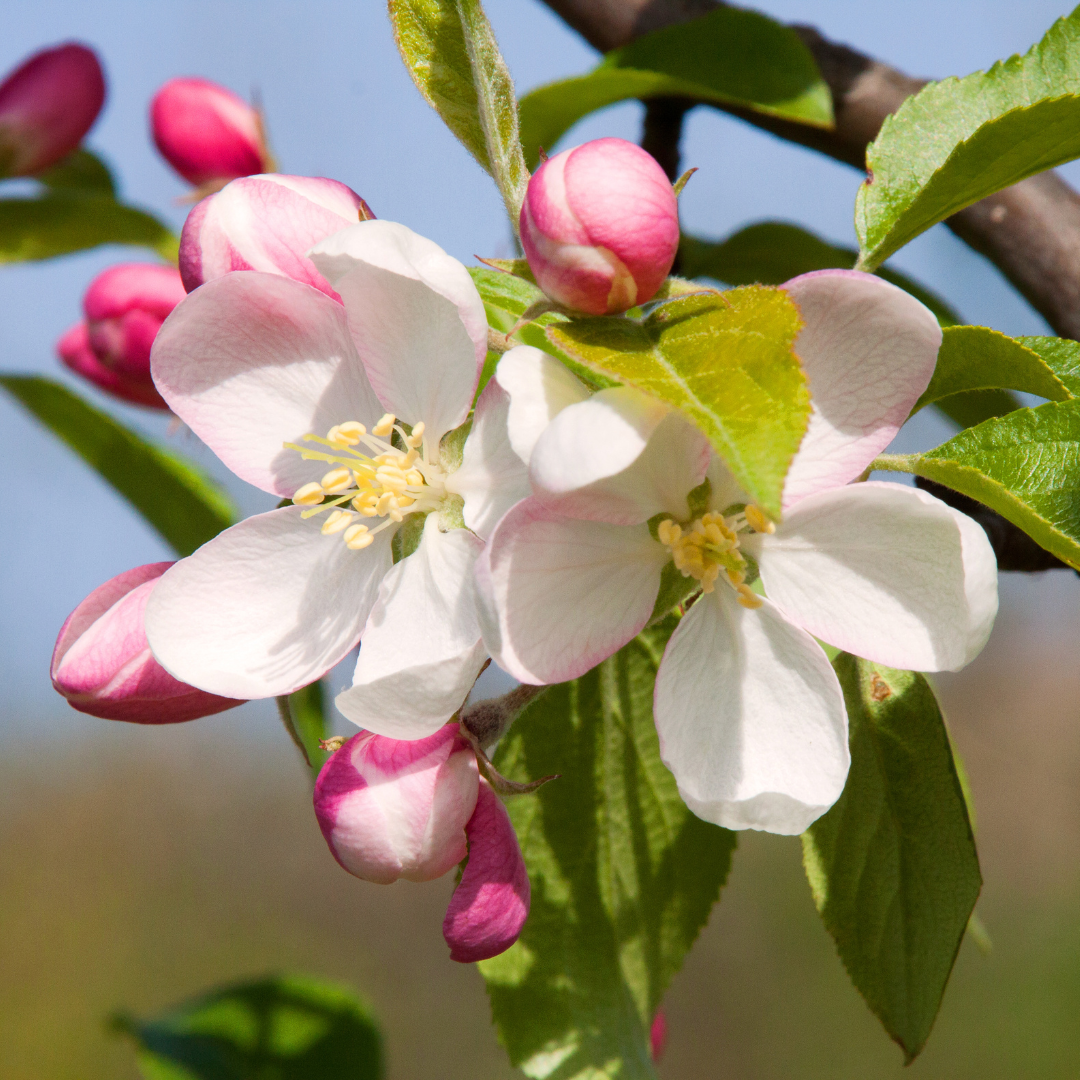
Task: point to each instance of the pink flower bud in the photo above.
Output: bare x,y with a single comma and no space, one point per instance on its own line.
206,133
47,105
658,1035
103,665
125,307
491,902
266,223
391,808
600,226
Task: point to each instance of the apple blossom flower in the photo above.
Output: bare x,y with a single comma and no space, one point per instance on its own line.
342,408
103,665
749,712
47,105
393,809
124,307
207,133
600,226
266,223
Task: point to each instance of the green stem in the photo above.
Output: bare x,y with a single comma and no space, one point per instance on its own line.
285,712
905,463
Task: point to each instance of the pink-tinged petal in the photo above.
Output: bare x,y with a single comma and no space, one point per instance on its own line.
868,350
390,809
558,595
491,477
75,351
103,665
540,387
266,223
251,361
619,457
491,902
751,718
416,317
886,572
420,650
266,607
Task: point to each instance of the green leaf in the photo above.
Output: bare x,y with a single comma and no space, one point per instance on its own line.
81,171
1026,466
307,708
723,359
623,875
450,51
62,221
277,1028
183,504
892,865
729,57
772,252
1061,355
959,140
974,406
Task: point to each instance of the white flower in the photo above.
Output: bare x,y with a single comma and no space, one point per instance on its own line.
749,712
344,409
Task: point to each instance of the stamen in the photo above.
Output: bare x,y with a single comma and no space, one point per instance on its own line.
309,495
348,434
337,480
338,520
708,548
416,439
747,597
358,537
757,520
385,425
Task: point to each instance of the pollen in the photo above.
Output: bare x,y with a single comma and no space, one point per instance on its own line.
706,549
757,520
309,495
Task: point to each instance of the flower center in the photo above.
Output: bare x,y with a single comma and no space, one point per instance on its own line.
373,476
709,547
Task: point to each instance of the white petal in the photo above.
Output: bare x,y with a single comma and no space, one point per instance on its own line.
415,316
559,595
491,477
420,652
886,572
250,361
751,718
264,608
868,350
540,387
619,457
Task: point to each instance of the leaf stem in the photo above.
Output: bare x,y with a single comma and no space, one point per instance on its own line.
285,712
904,463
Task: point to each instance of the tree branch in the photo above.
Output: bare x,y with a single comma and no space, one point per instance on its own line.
1031,231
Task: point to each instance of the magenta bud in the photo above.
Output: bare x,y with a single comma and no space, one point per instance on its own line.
392,808
266,223
47,105
208,134
124,307
491,902
658,1035
103,665
600,226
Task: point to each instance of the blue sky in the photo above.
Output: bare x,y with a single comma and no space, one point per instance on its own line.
340,104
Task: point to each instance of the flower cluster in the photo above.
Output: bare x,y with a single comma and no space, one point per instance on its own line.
334,361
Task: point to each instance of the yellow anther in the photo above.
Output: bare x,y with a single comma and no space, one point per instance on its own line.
417,437
337,480
385,425
747,598
415,477
757,520
309,495
384,503
668,532
404,502
708,548
338,520
348,433
358,537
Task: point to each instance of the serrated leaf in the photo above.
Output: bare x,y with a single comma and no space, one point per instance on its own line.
725,360
183,504
1061,355
281,1027
959,140
62,221
623,875
451,53
893,866
81,171
1026,466
772,252
729,57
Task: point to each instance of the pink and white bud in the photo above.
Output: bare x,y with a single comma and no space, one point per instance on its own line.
207,133
600,226
490,904
266,223
391,808
103,665
47,105
124,307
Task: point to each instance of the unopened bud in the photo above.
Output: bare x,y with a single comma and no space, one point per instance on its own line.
47,105
266,223
124,307
600,226
103,665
